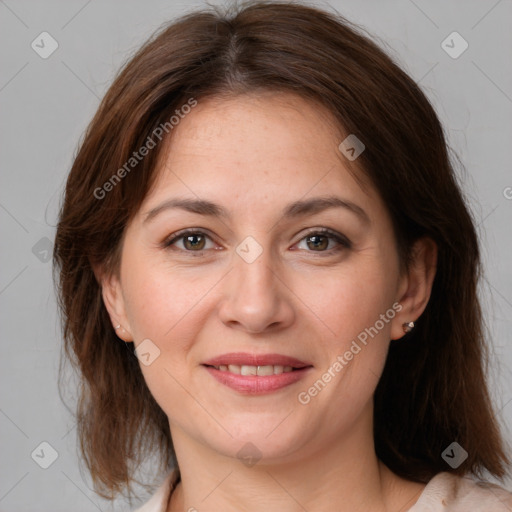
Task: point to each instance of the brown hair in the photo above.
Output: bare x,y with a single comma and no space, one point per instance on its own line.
433,389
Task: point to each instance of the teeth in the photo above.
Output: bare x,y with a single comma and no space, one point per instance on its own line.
234,368
265,370
255,370
248,370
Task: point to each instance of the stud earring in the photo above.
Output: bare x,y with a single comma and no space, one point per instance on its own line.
408,326
117,326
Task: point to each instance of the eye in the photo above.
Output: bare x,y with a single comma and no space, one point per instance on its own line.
320,239
192,241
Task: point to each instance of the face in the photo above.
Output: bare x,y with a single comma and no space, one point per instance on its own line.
262,274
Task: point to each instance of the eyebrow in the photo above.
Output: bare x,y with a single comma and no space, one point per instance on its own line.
293,210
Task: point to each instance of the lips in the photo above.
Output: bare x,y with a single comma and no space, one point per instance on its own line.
256,374
245,359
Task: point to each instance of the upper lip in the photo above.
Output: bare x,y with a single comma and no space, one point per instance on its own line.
243,358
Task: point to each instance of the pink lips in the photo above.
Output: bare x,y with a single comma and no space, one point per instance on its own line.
242,358
252,384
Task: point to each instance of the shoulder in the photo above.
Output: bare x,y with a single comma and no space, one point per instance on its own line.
447,492
160,499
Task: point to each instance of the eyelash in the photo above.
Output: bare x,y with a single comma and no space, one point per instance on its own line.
344,243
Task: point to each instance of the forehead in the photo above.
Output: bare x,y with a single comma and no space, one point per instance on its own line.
253,148
276,124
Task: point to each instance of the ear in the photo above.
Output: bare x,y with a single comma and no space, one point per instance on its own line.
415,285
114,302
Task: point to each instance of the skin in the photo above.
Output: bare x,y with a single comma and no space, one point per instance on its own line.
254,155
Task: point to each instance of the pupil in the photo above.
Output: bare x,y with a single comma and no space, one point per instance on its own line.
317,243
189,240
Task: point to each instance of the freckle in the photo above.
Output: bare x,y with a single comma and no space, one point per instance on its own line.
443,502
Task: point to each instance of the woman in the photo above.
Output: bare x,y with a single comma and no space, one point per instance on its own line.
268,277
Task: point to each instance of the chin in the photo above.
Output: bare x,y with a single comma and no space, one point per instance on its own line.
270,440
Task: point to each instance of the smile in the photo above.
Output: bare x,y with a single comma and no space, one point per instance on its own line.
256,374
258,371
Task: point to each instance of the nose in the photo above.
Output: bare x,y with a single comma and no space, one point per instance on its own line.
256,298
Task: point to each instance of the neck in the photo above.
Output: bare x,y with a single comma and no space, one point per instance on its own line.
346,473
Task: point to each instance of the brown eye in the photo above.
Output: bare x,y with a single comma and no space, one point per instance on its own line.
193,242
188,241
318,242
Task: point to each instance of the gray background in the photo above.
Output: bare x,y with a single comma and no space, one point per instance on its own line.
47,103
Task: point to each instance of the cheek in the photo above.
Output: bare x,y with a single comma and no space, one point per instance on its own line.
357,308
350,300
161,300
170,307
150,307
163,306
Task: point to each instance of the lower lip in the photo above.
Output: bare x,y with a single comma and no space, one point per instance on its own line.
253,385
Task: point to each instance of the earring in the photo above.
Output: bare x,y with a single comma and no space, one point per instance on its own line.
117,326
408,326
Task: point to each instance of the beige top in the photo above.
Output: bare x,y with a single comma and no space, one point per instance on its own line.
444,493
